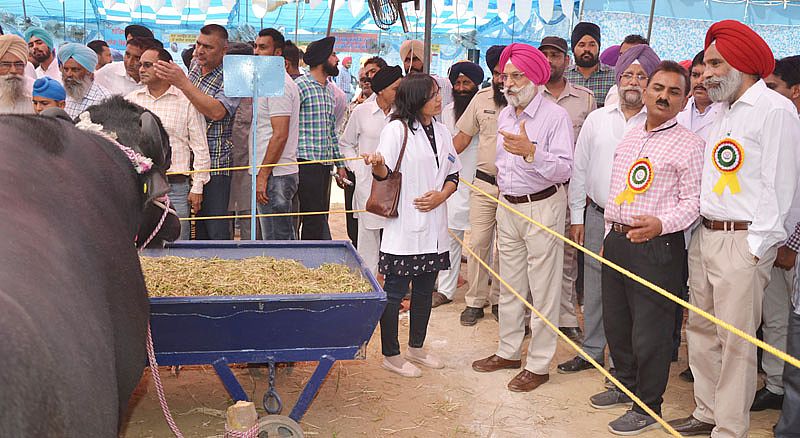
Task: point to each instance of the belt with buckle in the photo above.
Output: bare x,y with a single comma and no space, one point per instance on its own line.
725,225
620,228
483,176
538,196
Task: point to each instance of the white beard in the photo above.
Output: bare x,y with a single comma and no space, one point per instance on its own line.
630,96
77,90
521,97
723,89
12,91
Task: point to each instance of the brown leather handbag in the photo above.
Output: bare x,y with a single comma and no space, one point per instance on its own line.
385,194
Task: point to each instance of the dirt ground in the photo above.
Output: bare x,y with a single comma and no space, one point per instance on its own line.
359,398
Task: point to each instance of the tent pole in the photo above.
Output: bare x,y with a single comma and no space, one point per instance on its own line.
296,19
426,63
580,10
650,23
24,11
330,18
64,16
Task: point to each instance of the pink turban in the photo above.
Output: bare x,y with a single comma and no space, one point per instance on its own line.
530,60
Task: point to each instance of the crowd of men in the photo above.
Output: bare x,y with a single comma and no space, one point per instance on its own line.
684,174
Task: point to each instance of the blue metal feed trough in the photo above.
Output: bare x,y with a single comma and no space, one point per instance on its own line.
222,330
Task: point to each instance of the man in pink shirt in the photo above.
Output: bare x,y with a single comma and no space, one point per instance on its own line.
654,196
534,160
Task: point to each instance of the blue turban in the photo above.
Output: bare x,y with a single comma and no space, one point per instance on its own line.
469,69
49,88
80,53
40,33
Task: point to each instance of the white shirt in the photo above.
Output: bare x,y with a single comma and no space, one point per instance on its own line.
186,128
699,123
115,79
445,89
52,71
339,106
414,231
361,136
287,105
767,127
612,98
458,202
602,131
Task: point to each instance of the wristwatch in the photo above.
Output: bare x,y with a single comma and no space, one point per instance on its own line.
529,158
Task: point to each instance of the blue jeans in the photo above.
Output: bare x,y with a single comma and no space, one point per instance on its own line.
178,193
280,191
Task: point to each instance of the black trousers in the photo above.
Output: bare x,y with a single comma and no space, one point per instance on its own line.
314,193
352,222
216,194
396,287
639,323
789,423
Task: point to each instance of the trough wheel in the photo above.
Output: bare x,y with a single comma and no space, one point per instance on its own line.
278,426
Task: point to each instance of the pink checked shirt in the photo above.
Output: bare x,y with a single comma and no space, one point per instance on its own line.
676,155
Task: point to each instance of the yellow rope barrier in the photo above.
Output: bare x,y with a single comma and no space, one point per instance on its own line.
225,169
766,347
569,341
249,216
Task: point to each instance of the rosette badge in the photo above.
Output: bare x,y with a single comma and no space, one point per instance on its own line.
640,176
727,156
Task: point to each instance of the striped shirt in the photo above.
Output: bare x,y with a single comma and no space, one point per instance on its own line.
186,128
318,139
600,81
95,95
218,132
676,156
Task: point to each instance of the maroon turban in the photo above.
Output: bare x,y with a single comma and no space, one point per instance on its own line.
741,47
529,59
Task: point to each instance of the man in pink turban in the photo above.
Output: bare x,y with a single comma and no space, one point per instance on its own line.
534,160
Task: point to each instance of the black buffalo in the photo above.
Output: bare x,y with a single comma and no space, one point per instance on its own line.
73,304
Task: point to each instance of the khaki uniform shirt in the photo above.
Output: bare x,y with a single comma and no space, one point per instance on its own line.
480,118
578,101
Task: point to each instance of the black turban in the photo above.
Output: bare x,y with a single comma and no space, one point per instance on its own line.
469,69
319,51
585,28
386,77
493,56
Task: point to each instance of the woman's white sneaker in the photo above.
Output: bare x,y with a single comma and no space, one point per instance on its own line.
400,366
422,357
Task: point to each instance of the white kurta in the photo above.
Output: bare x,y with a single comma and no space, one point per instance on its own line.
414,231
698,123
458,203
361,136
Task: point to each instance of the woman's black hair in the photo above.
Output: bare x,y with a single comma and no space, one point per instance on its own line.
412,94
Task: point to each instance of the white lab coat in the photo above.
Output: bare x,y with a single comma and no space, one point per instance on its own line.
415,232
458,203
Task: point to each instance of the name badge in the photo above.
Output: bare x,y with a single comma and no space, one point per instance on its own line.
489,111
451,157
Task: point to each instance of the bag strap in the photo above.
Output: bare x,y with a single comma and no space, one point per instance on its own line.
402,149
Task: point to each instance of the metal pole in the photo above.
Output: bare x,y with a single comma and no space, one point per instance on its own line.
296,20
580,10
330,18
426,62
64,17
650,23
24,11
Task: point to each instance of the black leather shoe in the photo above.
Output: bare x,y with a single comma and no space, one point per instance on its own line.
573,333
574,365
686,375
471,315
690,426
765,399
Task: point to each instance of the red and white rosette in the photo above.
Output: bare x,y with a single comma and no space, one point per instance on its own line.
640,176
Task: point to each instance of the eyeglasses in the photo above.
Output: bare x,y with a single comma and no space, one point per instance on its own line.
515,76
639,78
6,65
434,94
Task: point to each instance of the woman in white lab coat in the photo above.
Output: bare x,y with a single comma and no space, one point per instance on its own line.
415,244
